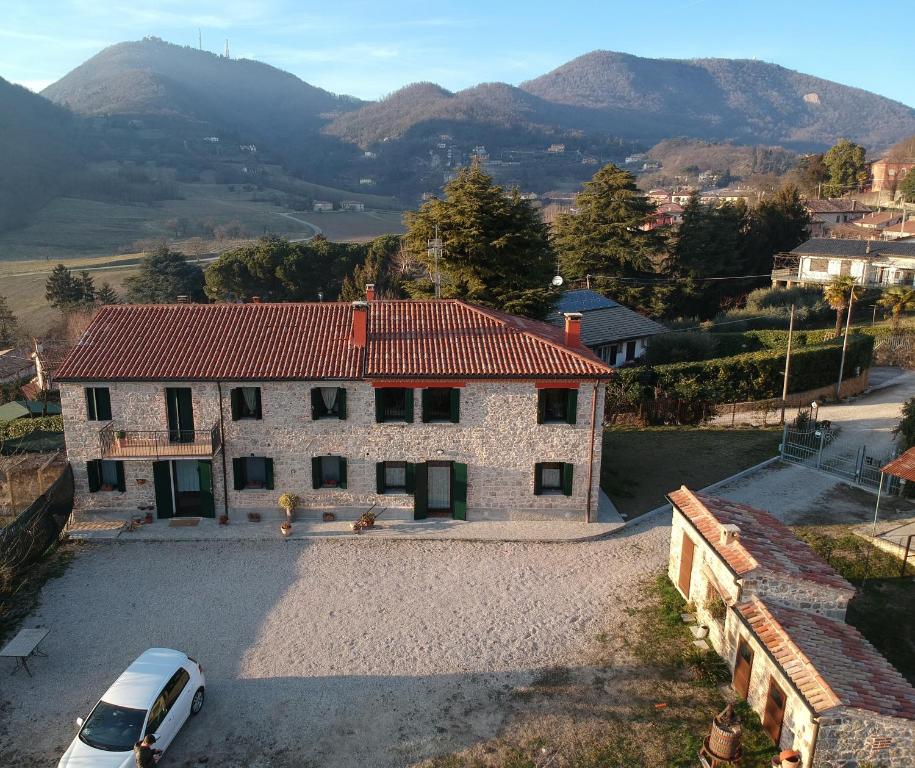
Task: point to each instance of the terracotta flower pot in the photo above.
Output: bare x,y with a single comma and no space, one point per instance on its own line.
149,517
223,519
328,517
285,529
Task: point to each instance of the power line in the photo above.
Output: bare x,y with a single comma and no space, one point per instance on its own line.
668,280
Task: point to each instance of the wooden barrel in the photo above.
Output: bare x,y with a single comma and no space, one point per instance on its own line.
724,738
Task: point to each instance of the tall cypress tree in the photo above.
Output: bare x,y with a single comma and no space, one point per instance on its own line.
496,250
605,238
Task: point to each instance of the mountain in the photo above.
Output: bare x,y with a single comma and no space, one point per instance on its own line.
41,143
742,100
161,80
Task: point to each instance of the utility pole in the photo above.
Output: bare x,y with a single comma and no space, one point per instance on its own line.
199,39
435,250
787,364
851,301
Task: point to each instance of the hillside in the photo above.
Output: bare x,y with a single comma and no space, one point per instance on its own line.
746,101
151,77
679,156
40,143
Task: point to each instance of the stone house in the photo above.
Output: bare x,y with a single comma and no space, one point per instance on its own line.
775,612
872,263
419,408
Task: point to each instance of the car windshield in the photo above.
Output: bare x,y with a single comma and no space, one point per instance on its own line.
113,728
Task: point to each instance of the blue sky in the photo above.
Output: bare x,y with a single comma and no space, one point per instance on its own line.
368,49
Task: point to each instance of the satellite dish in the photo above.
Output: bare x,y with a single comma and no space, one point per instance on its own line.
557,281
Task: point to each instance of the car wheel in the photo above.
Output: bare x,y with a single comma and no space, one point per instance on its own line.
197,701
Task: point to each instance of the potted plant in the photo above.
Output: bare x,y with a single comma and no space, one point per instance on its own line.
254,517
149,517
285,527
328,517
223,519
288,503
120,437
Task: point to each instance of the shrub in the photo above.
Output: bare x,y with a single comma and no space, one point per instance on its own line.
680,347
21,427
906,427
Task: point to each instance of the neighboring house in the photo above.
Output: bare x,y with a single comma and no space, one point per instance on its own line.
904,229
352,205
775,613
13,411
613,332
826,213
879,220
418,408
886,174
659,195
15,366
871,263
556,149
322,205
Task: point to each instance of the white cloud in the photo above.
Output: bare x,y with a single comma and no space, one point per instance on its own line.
34,85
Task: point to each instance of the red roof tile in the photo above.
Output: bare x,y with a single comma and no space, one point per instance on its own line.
416,339
903,466
829,661
764,542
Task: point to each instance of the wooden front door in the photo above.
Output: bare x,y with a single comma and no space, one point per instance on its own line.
774,713
180,414
743,668
686,564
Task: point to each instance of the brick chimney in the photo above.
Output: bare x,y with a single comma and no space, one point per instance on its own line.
370,291
730,533
360,323
255,299
573,329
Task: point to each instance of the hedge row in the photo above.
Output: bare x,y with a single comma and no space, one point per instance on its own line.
754,375
21,427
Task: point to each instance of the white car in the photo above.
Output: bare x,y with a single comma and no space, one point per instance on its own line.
156,694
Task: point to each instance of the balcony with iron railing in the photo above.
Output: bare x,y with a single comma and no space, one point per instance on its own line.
116,442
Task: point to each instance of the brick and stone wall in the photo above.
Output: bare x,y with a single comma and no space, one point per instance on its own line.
855,737
498,438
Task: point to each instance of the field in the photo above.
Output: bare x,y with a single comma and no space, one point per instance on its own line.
639,466
108,239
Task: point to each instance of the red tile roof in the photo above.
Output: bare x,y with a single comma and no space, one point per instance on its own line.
415,339
902,466
829,661
764,541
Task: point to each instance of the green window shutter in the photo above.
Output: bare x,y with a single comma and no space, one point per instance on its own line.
235,396
316,481
411,477
205,474
455,405
572,405
379,405
342,483
316,402
567,479
538,479
259,411
409,406
268,473
94,470
379,477
119,468
541,406
341,402
421,492
459,490
162,480
238,473
424,397
103,404
90,403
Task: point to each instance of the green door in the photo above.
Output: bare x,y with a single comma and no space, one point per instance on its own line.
162,478
205,472
180,414
421,492
459,490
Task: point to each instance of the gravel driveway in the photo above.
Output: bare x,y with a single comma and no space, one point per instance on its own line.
324,653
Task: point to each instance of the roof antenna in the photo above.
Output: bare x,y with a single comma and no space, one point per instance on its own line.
435,250
227,48
199,39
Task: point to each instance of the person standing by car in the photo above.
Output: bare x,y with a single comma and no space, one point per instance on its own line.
144,753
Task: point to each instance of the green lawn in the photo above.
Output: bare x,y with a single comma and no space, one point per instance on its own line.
882,609
639,466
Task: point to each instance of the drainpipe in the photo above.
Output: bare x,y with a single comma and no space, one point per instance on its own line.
813,741
222,445
591,454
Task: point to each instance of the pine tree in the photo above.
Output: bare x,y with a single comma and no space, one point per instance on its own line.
605,238
496,250
10,331
164,276
62,290
107,295
846,168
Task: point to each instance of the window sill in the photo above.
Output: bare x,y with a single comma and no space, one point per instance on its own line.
249,418
441,421
554,422
396,492
551,492
330,488
253,490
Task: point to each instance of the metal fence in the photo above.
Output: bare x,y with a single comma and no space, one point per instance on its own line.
820,445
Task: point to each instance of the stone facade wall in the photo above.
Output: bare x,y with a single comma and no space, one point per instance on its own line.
498,438
855,737
798,593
